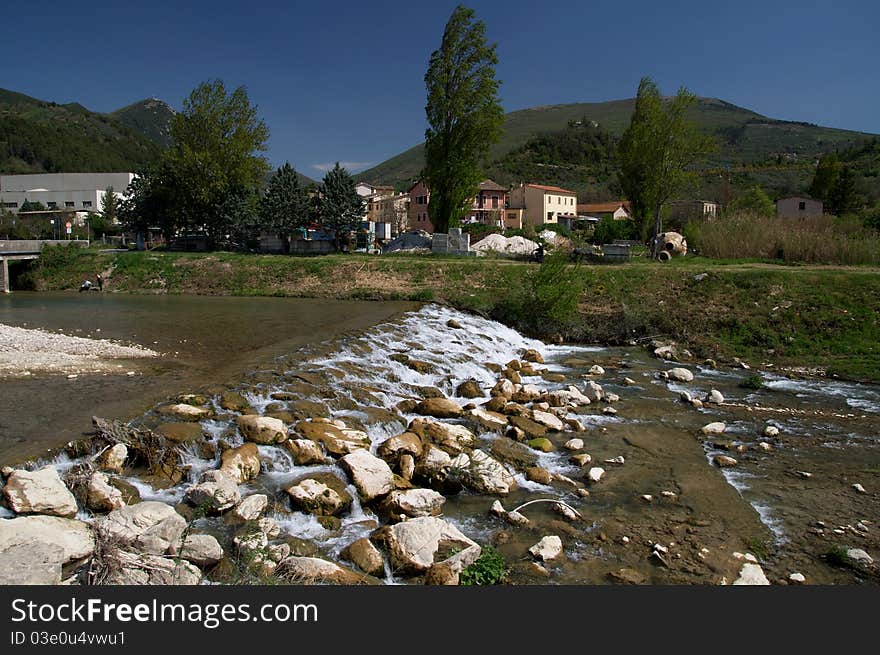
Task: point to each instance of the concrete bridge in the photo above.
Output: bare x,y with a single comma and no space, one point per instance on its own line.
19,249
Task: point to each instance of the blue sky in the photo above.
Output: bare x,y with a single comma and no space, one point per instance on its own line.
343,81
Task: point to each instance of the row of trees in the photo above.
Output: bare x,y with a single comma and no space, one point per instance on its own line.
212,179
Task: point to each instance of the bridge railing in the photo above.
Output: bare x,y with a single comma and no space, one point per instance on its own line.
12,246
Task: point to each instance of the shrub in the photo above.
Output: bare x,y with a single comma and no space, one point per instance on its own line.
489,569
752,382
607,230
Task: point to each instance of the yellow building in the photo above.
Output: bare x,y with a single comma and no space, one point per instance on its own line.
542,204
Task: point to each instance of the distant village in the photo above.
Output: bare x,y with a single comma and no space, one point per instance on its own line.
66,201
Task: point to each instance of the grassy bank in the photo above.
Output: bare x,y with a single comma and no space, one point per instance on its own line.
809,316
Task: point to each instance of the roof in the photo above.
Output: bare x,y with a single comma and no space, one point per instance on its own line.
490,185
602,207
799,198
555,189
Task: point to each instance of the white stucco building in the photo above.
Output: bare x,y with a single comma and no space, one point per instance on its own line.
80,192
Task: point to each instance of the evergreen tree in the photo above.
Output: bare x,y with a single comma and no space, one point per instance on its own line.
825,178
657,152
843,197
29,206
109,205
285,206
464,116
340,207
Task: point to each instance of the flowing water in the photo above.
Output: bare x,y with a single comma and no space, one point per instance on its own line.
828,429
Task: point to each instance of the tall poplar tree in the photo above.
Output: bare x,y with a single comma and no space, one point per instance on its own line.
464,116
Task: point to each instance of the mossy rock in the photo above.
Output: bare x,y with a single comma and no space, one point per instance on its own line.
553,377
543,444
420,367
130,493
309,409
330,523
235,402
532,429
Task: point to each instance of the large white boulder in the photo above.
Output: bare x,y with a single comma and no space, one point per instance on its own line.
680,374
73,537
751,574
550,547
413,546
241,463
451,438
200,549
312,570
414,502
371,476
148,527
482,473
216,490
262,429
39,492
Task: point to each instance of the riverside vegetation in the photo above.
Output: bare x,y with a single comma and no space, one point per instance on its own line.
785,315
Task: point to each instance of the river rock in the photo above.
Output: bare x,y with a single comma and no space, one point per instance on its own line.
609,397
200,549
628,382
242,463
304,451
723,461
39,492
148,569
543,444
31,564
797,578
538,474
405,443
532,429
619,460
262,429
593,391
235,402
101,495
680,374
149,527
667,352
371,476
532,355
716,427
858,487
312,570
216,490
434,461
595,474
609,411
512,375
316,497
581,459
469,389
185,412
454,439
113,459
715,397
860,556
413,546
181,432
771,431
595,369
548,420
751,574
512,452
438,408
336,440
504,389
685,397
248,509
550,547
484,474
488,420
407,466
628,576
442,574
363,554
413,503
45,543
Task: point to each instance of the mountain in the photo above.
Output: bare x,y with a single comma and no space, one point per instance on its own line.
150,117
756,149
40,136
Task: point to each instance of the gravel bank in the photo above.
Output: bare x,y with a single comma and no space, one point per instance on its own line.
24,352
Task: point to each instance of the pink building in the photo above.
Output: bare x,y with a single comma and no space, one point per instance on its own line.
417,213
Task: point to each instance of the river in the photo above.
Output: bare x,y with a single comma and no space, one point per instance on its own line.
788,500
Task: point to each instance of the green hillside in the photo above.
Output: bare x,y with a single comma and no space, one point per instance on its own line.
38,136
150,117
758,149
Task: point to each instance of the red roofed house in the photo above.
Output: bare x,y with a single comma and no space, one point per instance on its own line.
489,204
543,204
616,209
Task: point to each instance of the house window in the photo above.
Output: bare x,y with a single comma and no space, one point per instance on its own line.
511,217
51,204
68,203
10,205
802,206
87,203
549,217
494,202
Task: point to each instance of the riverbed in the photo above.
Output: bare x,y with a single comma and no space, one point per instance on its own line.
201,341
662,513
